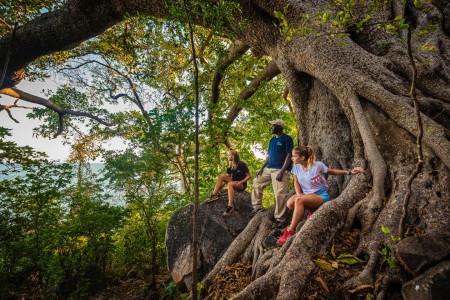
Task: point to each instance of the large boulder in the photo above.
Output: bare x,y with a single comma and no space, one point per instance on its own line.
431,285
215,235
418,253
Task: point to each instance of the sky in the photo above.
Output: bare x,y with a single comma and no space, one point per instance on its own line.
22,133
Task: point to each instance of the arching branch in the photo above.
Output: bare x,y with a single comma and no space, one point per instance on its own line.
16,93
236,50
267,74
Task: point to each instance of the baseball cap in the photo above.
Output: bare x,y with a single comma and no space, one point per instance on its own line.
278,122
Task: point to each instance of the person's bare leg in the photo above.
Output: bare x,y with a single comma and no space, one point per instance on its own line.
221,181
310,200
232,186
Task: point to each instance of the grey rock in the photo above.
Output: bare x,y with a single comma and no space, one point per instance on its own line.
420,252
215,235
434,284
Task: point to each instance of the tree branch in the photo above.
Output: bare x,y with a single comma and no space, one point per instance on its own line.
8,54
16,93
269,72
8,109
199,54
235,51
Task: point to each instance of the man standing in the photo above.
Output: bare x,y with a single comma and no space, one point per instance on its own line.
275,170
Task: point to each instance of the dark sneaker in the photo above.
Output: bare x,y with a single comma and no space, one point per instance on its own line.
256,210
212,198
287,234
228,211
279,224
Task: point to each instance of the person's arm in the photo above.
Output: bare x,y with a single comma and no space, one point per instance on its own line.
263,166
247,178
298,188
353,171
287,163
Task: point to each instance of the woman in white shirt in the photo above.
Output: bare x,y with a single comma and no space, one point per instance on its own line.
310,185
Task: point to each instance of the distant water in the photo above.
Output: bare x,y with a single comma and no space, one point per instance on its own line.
96,169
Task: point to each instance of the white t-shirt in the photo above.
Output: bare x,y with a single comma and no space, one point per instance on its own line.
311,180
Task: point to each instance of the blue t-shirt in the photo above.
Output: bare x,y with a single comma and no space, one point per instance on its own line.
279,148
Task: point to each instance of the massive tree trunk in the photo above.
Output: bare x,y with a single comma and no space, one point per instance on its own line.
351,102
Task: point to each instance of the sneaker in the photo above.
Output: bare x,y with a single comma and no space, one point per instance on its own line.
256,210
287,234
228,211
212,198
279,224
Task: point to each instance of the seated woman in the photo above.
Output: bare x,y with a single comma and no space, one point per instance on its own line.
236,180
310,185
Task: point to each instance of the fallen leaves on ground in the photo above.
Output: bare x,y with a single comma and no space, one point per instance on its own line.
230,282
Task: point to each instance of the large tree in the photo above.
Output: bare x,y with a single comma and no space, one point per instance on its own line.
351,95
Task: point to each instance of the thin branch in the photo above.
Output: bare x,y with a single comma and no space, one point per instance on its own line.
199,54
115,97
196,164
136,101
60,125
16,93
7,108
4,107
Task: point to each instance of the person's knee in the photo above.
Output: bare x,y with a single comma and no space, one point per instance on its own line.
300,200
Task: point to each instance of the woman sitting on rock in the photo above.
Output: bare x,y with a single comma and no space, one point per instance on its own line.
236,180
310,185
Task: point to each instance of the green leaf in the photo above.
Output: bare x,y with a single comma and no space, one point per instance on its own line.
324,265
348,259
395,238
418,4
385,229
332,251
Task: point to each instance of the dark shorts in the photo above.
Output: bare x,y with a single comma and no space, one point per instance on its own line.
323,194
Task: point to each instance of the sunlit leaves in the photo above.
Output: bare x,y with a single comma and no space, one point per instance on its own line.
217,15
18,12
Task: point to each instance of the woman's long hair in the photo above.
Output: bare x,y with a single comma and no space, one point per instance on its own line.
308,152
236,159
